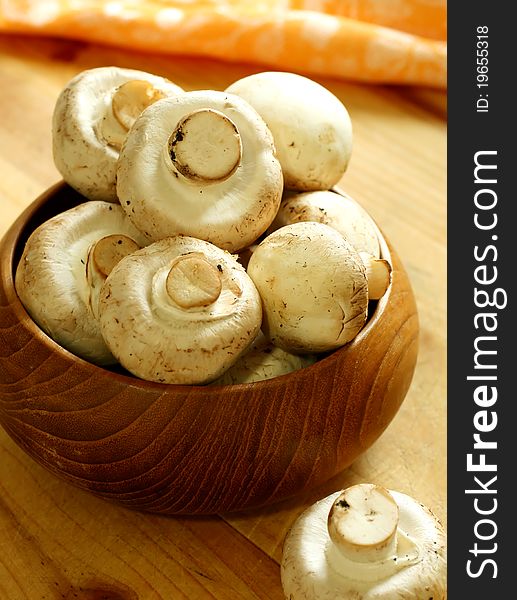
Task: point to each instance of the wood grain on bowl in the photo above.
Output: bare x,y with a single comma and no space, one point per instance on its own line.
194,449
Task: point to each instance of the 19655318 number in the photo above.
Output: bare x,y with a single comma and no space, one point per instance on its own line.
482,56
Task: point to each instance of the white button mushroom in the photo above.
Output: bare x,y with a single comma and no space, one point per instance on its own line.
343,214
201,164
179,311
313,287
365,543
311,127
264,361
91,119
64,264
338,211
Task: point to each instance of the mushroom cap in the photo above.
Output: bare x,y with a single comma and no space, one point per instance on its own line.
264,361
418,573
84,158
179,311
54,283
313,287
337,210
311,127
163,200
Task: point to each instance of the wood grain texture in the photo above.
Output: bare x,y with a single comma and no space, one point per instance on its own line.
53,532
114,554
195,449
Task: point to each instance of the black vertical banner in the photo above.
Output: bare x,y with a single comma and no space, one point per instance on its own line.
482,363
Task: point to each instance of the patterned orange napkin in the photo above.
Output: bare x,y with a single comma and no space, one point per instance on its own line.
380,41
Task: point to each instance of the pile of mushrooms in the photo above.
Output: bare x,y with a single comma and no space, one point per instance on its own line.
365,543
210,247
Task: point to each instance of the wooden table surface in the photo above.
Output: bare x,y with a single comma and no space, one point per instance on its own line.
59,542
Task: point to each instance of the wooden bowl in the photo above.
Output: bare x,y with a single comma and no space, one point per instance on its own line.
194,449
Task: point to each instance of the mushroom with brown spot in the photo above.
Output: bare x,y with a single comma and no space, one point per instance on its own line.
310,125
179,311
313,287
92,116
201,164
365,543
63,267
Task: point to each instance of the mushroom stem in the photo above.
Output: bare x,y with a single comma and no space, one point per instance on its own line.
109,250
131,99
193,282
102,257
363,522
127,103
205,146
378,275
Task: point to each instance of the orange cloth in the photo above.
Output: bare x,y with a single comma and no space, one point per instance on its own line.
380,41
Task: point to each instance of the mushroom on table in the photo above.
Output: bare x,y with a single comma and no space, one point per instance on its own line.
63,267
92,116
365,543
200,164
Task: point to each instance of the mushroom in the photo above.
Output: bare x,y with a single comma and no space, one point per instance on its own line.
92,116
337,210
365,543
311,127
63,266
263,361
180,310
345,215
201,164
313,287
